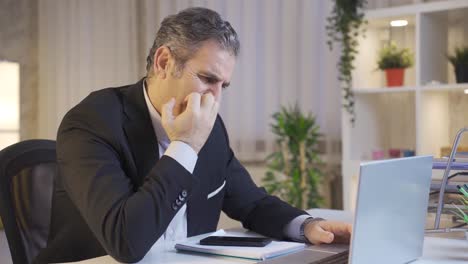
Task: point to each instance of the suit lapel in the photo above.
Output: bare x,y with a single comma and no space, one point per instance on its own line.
139,130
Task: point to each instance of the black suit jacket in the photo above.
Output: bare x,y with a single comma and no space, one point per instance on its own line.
114,196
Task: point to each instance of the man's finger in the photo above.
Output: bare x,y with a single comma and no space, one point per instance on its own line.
326,237
193,101
207,101
214,110
166,113
219,97
342,231
321,235
336,227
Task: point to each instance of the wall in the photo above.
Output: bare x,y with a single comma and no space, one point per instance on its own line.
84,45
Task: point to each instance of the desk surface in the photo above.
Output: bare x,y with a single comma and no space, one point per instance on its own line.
436,250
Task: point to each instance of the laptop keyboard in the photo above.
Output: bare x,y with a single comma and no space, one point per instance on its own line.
340,258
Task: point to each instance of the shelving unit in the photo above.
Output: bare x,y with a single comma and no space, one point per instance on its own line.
427,112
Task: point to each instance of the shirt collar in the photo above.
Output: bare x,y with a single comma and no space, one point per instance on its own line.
161,134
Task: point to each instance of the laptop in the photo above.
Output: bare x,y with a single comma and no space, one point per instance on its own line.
389,219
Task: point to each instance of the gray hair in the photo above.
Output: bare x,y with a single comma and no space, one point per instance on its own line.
183,33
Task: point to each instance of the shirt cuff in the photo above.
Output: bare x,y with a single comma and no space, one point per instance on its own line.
292,229
182,153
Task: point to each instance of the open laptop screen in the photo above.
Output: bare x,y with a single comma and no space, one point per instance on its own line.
391,210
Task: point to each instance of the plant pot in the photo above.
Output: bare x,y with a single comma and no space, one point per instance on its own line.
395,76
394,153
461,73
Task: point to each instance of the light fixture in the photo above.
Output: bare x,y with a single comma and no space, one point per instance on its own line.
466,91
9,103
398,23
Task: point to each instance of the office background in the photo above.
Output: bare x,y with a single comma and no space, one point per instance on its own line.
69,48
66,49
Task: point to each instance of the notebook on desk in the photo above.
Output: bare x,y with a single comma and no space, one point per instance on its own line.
389,219
274,249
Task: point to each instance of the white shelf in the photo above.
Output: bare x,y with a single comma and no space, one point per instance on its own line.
403,89
446,87
416,116
383,90
404,10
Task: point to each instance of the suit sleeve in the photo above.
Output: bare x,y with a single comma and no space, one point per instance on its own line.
126,220
245,202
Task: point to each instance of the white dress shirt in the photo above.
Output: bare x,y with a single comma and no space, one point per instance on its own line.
182,153
187,157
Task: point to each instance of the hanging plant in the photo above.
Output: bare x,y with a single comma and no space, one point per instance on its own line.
344,27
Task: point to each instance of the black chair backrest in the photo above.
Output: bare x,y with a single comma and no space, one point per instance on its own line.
27,171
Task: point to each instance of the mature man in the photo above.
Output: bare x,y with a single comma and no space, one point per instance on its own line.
149,162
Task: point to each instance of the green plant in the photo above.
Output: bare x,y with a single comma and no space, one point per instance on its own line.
391,57
460,213
344,26
293,171
460,57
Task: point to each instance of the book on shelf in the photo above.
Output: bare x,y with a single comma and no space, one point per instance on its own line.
274,249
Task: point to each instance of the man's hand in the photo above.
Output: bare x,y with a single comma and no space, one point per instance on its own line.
194,124
327,232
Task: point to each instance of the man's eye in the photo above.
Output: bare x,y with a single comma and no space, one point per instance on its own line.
208,80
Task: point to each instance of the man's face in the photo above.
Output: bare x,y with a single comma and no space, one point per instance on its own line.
208,71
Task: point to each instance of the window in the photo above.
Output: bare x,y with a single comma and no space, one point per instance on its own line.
9,103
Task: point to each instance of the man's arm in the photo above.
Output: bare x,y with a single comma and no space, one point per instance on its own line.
270,216
126,220
251,205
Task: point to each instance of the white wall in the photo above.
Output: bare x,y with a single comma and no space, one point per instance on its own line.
84,45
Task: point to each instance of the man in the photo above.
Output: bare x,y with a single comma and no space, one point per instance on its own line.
150,162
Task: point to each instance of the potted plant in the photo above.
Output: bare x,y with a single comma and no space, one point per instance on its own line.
394,61
293,171
460,63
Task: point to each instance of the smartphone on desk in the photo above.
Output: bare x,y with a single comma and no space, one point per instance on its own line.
236,241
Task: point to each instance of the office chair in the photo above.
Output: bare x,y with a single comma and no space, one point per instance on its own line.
27,171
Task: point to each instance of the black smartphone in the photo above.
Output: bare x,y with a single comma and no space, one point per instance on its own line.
236,241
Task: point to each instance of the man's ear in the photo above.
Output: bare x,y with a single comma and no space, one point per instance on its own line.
161,60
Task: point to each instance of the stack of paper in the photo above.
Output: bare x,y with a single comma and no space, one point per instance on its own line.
274,249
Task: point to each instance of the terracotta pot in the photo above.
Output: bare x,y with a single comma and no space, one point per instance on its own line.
395,76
